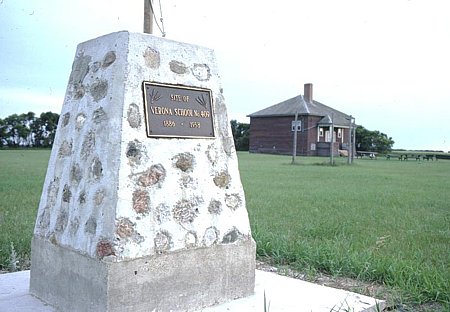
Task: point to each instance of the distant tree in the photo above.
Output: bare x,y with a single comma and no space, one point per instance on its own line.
3,133
45,129
25,130
13,128
373,141
241,133
27,136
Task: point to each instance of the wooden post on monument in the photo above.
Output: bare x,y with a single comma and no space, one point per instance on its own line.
148,17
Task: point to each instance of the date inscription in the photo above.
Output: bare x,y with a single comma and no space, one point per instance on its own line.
178,111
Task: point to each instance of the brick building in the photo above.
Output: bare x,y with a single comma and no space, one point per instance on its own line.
272,129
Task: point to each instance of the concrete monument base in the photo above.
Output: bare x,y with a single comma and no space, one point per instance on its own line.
165,282
142,207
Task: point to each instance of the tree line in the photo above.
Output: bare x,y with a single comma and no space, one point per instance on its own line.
28,130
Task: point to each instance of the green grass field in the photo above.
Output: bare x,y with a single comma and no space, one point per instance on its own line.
378,220
22,174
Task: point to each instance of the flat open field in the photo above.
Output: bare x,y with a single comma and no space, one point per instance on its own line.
378,220
22,174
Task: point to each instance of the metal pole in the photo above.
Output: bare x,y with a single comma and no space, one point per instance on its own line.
349,148
354,139
148,17
332,140
294,143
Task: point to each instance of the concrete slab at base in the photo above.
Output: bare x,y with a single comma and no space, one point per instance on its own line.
283,294
167,282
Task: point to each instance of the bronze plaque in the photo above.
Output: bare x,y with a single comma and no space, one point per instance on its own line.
178,111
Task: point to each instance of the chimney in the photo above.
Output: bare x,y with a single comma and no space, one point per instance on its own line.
308,95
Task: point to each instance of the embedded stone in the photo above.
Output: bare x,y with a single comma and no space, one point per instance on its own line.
222,179
133,116
52,239
75,174
133,152
210,237
80,68
105,248
109,58
161,213
233,201
52,192
82,198
228,146
152,58
79,121
185,211
201,72
163,241
67,194
74,225
178,67
78,91
99,115
140,201
215,207
222,124
61,221
184,161
190,239
96,66
96,169
211,154
65,149
88,144
125,228
66,119
186,179
98,197
232,236
44,220
90,226
99,89
155,174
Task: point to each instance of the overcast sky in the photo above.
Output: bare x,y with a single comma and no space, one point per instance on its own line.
386,62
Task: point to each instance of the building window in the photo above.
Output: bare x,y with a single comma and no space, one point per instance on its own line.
339,133
321,132
297,123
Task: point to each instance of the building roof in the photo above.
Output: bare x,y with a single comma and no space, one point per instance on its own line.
298,104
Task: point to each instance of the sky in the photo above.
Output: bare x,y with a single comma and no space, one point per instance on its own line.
386,62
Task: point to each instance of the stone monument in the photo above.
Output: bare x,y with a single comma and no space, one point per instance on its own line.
142,207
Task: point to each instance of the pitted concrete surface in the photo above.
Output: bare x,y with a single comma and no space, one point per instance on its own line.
283,294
